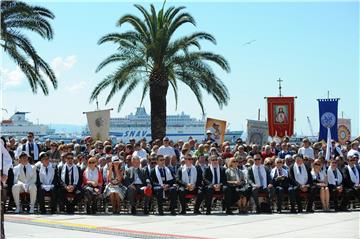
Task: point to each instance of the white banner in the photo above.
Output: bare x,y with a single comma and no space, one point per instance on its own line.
99,122
257,132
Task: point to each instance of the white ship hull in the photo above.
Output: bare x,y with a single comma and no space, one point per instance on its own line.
174,133
18,126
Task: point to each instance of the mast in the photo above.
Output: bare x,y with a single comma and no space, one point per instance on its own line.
279,80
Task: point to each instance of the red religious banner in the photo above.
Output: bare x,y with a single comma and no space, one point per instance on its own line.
281,116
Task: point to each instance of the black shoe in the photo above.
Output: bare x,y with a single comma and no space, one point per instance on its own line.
197,212
146,211
229,212
208,212
183,212
310,211
133,211
278,211
173,212
293,210
161,213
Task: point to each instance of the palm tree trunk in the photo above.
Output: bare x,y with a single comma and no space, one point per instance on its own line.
158,91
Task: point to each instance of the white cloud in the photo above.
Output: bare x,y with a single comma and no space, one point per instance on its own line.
77,87
12,77
60,64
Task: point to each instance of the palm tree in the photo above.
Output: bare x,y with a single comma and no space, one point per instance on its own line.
149,55
17,16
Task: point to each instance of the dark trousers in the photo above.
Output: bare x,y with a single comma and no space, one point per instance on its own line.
137,191
2,209
91,199
209,195
172,195
231,196
41,198
334,195
294,193
70,203
269,195
279,192
352,193
183,201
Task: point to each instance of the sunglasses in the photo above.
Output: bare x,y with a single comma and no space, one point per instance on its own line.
69,158
189,158
257,159
161,159
92,162
316,164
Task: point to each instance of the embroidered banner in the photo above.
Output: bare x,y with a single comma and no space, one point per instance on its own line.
217,129
281,116
328,111
257,132
344,130
99,122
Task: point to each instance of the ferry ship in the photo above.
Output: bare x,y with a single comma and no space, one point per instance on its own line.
18,126
180,126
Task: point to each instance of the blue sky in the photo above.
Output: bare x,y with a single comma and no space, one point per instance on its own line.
312,46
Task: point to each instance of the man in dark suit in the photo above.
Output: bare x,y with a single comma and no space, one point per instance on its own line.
32,148
190,181
214,182
260,181
163,182
280,181
70,183
351,179
335,183
136,181
47,182
300,181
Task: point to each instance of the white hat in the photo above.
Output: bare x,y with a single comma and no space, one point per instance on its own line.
208,132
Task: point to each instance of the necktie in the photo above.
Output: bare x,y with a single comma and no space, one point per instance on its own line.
336,177
318,176
164,173
189,174
215,176
46,170
280,172
138,172
24,168
70,177
260,177
354,170
299,169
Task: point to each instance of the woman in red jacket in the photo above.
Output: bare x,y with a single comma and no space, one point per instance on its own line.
92,185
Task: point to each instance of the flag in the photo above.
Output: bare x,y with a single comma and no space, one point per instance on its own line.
217,129
257,132
99,122
344,130
281,116
328,110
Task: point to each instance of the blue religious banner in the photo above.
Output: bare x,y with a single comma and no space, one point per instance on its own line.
328,111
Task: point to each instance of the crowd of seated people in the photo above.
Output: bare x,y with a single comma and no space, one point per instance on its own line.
166,177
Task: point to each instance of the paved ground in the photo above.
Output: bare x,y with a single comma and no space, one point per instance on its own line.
319,225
